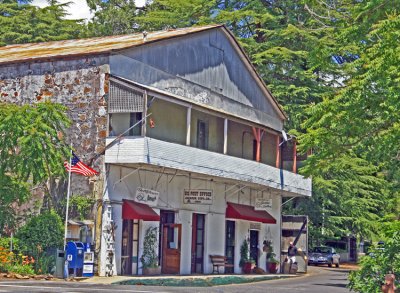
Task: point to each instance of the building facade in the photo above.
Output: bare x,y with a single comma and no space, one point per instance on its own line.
186,135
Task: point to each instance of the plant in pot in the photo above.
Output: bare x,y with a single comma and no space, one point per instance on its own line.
272,263
149,256
246,263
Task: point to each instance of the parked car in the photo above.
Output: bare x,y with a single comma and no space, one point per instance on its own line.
321,255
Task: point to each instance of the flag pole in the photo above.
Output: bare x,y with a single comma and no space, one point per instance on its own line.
68,192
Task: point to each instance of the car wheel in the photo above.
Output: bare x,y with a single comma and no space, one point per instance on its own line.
330,264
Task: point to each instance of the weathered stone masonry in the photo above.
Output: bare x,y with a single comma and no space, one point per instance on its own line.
81,84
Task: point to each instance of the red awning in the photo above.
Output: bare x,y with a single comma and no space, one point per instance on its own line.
245,212
132,210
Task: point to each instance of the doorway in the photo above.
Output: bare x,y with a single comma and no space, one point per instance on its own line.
254,245
198,226
230,245
171,249
129,247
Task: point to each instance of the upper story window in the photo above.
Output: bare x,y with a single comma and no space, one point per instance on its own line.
202,134
125,107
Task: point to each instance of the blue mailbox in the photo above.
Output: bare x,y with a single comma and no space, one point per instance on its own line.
75,252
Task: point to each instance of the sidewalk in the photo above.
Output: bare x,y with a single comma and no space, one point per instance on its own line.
186,280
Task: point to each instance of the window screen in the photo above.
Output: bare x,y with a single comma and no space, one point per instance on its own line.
123,99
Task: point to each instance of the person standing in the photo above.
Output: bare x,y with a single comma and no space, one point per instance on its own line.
292,252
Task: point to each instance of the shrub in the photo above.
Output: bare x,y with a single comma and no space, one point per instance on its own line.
21,269
40,237
382,260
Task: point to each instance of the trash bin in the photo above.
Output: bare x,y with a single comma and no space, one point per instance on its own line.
60,259
75,252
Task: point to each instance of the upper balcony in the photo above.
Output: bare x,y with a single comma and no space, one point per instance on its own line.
184,136
146,150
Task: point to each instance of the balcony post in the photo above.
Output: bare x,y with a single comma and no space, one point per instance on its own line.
294,157
144,123
278,153
188,124
258,134
225,136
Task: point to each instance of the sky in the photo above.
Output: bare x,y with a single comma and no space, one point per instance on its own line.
78,9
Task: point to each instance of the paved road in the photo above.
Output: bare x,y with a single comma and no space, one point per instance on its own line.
319,280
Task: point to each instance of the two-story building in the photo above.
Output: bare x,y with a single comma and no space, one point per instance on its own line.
193,143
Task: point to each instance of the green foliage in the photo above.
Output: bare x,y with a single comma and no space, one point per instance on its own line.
113,17
348,197
123,16
164,14
23,23
40,237
18,269
81,206
149,256
31,151
272,258
244,253
6,241
381,261
352,131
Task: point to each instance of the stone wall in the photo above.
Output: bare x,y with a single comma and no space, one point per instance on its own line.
79,83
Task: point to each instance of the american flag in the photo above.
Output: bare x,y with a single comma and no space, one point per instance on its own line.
79,167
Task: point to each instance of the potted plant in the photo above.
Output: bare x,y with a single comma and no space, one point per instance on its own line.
272,263
149,256
246,263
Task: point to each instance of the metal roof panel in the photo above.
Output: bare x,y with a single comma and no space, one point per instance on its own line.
45,50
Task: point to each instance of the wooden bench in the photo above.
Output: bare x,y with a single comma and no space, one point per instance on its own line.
219,261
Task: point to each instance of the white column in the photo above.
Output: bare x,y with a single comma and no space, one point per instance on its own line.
144,114
188,124
225,136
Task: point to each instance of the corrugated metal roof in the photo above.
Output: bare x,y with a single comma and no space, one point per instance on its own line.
36,51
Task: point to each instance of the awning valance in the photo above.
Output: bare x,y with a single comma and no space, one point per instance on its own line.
132,210
245,212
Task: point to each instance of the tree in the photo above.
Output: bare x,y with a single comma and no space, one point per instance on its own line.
31,151
21,22
165,14
358,122
113,17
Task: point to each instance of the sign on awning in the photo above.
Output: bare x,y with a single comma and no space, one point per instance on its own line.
198,196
